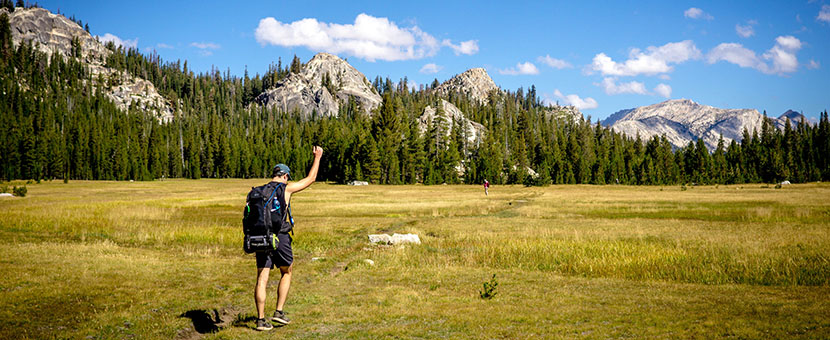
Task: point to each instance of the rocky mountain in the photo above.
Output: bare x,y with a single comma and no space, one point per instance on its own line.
683,120
569,112
450,113
324,83
53,33
474,82
795,117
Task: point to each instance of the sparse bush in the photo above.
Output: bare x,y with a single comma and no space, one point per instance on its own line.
489,288
683,187
20,191
4,188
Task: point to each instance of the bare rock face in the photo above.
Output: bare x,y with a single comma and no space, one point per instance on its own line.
449,113
683,120
307,93
568,112
475,83
53,33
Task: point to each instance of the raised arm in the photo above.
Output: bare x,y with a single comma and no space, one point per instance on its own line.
312,174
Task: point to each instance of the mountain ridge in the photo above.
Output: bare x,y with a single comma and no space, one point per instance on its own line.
683,121
54,33
323,84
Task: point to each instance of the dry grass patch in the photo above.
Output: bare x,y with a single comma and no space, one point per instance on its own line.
155,259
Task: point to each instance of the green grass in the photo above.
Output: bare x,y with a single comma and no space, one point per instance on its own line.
122,260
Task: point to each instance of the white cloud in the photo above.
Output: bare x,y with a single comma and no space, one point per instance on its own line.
697,13
789,42
204,45
736,54
611,87
150,49
663,90
813,65
655,61
521,69
664,77
468,47
824,14
118,41
368,38
553,62
430,68
744,31
782,56
205,48
579,103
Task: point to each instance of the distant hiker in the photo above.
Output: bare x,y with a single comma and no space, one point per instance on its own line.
486,187
282,257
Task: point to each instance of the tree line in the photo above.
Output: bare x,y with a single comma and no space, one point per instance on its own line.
57,123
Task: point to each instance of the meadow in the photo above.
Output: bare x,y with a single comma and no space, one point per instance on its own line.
164,259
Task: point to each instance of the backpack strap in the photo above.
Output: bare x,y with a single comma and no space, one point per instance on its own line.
286,216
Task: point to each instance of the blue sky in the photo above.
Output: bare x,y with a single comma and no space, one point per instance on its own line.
601,56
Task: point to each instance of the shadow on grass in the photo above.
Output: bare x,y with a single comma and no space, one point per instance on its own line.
204,321
207,321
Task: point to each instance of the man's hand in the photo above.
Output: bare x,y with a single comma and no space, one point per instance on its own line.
317,151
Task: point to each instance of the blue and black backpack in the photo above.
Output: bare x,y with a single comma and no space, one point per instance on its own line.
266,214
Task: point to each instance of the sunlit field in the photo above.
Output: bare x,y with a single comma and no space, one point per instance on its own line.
164,259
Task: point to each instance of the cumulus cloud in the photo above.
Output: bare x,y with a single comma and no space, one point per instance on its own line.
553,62
525,68
150,49
468,47
736,54
611,87
744,31
369,38
697,13
813,65
579,103
782,56
824,14
205,48
430,68
118,41
655,60
663,90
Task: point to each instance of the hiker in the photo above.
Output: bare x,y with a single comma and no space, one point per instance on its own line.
282,257
486,187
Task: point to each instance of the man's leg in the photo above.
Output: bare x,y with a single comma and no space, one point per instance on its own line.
259,292
285,283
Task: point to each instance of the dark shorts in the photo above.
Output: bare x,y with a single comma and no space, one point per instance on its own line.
282,256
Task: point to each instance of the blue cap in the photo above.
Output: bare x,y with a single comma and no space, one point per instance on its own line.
282,169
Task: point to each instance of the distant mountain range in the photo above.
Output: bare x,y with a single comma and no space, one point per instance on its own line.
326,82
683,120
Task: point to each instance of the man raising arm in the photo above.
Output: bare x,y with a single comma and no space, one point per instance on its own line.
283,256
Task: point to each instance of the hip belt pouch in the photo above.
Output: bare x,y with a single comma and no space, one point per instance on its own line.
260,243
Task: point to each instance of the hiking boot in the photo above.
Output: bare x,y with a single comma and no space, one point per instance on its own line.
263,325
279,316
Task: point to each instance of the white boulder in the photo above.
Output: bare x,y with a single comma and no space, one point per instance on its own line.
395,239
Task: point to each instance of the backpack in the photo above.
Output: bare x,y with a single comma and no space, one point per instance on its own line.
264,217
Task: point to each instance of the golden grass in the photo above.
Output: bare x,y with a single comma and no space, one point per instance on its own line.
129,259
